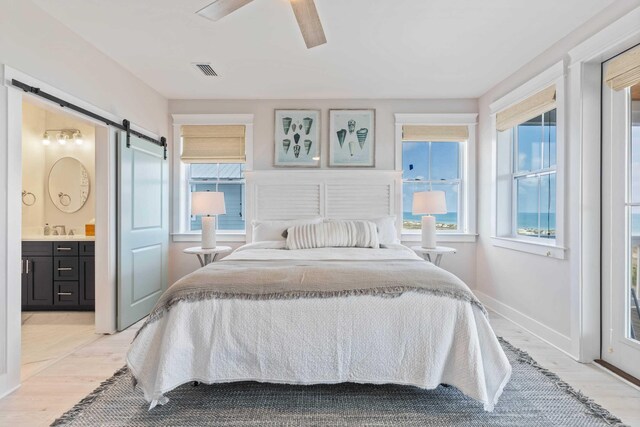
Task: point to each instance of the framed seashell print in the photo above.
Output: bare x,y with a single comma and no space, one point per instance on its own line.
352,138
297,138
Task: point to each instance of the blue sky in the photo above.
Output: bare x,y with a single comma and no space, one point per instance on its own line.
536,150
444,165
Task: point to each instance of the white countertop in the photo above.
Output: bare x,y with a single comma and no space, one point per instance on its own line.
41,238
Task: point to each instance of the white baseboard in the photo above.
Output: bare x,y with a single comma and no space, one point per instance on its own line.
8,392
545,333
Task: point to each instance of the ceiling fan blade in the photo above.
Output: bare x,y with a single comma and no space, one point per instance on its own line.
309,22
221,8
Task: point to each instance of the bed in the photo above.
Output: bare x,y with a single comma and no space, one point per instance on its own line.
321,315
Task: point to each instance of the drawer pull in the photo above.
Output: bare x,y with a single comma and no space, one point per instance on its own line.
62,248
65,268
65,293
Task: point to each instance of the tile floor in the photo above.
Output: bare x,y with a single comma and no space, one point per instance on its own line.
49,390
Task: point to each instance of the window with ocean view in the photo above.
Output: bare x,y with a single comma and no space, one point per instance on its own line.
535,176
528,185
429,166
530,148
224,177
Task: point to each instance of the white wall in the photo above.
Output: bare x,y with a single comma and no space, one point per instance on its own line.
42,47
34,171
462,264
536,291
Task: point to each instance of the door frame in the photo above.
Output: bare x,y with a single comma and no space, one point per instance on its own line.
617,349
584,158
106,216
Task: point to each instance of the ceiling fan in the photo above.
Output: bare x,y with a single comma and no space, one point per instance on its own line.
305,11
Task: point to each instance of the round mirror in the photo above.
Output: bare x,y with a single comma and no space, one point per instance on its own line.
68,184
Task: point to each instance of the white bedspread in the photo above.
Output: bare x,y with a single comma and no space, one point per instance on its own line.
415,339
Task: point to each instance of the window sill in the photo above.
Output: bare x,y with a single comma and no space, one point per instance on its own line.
442,237
220,237
536,248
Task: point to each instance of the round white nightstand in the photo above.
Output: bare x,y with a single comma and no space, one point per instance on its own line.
207,256
438,251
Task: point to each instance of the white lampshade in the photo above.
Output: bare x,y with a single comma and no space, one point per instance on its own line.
429,202
207,203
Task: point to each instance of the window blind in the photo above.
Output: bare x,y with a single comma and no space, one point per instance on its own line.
435,133
624,70
213,144
541,102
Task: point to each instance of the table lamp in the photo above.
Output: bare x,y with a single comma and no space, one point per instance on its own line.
429,203
208,204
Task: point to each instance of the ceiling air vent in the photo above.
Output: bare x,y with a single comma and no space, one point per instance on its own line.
205,68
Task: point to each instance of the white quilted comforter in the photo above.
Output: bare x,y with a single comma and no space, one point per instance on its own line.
415,339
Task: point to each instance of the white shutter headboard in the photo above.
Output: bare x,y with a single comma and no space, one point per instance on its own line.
287,201
342,194
359,201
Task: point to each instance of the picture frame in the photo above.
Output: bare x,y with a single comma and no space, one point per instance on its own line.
352,137
297,138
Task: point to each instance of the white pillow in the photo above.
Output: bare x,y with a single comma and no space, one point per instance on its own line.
333,234
272,230
386,225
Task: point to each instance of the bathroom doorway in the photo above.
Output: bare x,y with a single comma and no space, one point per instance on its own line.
58,279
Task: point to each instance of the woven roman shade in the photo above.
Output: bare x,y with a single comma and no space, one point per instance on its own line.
435,133
541,102
213,144
624,70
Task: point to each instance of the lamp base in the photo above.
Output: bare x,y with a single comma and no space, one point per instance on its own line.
208,232
428,232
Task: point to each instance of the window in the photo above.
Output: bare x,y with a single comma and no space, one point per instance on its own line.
227,178
533,175
214,153
428,166
436,152
528,183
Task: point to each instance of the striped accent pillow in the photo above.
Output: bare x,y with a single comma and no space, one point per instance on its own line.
334,234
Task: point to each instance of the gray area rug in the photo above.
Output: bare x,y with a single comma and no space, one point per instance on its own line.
533,397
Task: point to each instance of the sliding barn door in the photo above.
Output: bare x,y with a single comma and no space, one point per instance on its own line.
143,233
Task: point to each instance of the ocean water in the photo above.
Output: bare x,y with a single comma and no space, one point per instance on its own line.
448,218
525,220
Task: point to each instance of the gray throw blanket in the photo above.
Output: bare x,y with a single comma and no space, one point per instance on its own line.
288,279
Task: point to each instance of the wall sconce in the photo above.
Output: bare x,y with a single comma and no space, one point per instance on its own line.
62,136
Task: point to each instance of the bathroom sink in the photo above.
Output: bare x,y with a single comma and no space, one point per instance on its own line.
78,237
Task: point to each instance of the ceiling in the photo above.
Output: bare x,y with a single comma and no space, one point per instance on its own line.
375,49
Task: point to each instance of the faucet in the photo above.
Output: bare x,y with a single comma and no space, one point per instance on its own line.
64,230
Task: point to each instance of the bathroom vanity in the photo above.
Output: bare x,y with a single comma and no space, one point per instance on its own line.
58,274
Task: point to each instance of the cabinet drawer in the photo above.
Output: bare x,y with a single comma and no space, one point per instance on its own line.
65,268
65,248
37,248
65,293
87,248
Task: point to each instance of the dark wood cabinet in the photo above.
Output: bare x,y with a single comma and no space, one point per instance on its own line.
58,275
87,281
39,281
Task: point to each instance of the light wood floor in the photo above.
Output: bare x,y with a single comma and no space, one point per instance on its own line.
49,392
50,336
